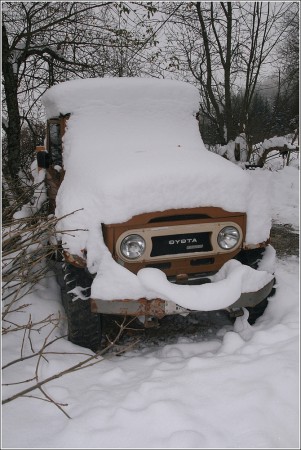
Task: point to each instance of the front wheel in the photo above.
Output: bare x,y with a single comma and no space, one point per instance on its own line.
84,327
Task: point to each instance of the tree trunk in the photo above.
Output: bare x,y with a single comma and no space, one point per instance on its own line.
207,85
13,130
231,133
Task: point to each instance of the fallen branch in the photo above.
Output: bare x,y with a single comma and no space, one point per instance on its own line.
88,362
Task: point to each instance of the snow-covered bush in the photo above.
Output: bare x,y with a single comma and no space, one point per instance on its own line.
273,153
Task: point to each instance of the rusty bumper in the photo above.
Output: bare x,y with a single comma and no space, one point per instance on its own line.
159,308
142,307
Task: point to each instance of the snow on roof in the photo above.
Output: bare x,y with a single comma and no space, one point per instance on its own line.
119,94
132,145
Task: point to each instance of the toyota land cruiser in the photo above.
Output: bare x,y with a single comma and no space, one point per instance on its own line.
152,222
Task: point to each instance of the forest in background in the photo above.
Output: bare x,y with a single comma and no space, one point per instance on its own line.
242,56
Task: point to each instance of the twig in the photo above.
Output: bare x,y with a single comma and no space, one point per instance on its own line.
47,380
58,405
81,365
15,361
19,382
43,399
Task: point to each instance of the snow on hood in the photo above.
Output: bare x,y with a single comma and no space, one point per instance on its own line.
132,145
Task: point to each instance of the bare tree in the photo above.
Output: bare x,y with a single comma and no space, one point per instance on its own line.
223,47
287,97
32,43
48,42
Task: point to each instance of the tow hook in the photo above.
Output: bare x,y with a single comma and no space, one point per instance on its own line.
236,312
151,322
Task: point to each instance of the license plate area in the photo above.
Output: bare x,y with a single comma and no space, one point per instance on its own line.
180,244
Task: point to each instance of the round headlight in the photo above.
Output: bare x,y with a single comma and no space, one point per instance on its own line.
228,238
133,246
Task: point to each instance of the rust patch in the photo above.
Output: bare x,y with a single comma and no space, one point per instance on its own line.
154,307
260,245
75,260
136,308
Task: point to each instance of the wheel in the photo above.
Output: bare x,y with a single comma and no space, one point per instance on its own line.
252,258
84,327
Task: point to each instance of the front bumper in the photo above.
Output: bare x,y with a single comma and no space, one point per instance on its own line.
159,308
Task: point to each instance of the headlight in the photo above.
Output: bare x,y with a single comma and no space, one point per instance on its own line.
133,246
228,237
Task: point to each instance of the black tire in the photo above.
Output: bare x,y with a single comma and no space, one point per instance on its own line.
252,258
84,327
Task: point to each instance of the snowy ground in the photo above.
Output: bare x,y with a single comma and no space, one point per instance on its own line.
237,388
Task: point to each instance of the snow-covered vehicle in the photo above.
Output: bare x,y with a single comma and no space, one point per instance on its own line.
152,222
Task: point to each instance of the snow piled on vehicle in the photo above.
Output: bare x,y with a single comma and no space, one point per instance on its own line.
132,146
